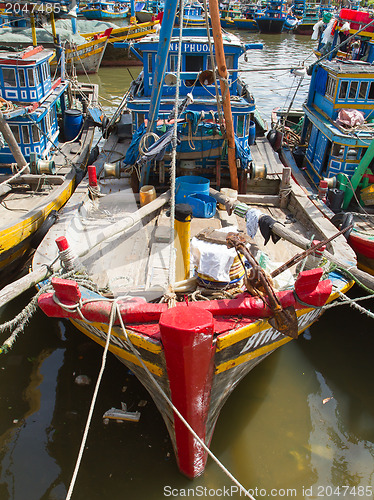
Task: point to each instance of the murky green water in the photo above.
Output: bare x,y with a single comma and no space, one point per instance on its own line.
301,425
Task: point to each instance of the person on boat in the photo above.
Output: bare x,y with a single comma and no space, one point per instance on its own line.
355,47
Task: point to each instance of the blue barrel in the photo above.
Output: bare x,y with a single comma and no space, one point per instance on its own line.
251,133
73,120
190,184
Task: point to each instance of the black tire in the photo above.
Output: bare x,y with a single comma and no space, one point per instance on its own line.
343,220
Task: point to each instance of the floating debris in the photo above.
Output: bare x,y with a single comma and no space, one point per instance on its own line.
326,400
82,380
120,415
142,403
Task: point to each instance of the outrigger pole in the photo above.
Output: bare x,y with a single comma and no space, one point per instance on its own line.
225,91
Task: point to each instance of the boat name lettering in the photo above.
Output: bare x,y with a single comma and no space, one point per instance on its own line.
190,47
269,335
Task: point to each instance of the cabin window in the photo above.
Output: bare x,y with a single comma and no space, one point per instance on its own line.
150,66
330,86
30,76
9,76
48,122
363,90
25,134
35,134
15,132
173,63
229,62
37,69
336,149
240,126
47,70
194,63
343,90
353,90
371,91
140,119
21,77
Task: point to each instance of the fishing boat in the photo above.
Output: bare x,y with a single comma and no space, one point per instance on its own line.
190,330
272,18
83,55
193,15
308,14
103,10
245,20
46,142
338,132
146,11
126,35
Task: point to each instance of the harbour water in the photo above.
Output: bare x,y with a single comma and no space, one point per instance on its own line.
301,425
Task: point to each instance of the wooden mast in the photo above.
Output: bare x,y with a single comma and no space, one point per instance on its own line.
225,91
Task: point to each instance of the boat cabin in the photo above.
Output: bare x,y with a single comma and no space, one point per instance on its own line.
339,114
29,101
201,140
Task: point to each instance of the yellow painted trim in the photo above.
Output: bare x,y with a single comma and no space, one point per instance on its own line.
138,341
249,330
227,365
121,353
12,236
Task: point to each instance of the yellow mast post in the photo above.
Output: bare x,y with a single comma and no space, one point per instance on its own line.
33,30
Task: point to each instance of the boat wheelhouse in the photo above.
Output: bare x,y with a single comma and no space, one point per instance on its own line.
201,138
30,100
105,10
272,18
308,14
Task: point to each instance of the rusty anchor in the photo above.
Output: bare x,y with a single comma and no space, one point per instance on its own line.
284,319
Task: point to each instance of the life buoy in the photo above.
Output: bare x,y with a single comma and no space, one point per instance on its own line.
342,220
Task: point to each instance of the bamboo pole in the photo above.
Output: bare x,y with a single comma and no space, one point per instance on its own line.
225,91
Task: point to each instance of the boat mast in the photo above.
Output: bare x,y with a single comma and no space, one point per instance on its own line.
166,31
225,91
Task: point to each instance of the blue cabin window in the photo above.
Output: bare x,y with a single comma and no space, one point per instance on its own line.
15,132
35,134
30,76
9,76
229,62
240,126
363,90
194,63
150,67
173,63
371,91
353,90
25,134
343,90
21,77
330,86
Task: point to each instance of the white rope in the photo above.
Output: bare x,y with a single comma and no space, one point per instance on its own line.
84,439
176,411
353,303
115,311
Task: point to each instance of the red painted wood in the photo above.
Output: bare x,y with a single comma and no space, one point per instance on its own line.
67,291
92,178
307,281
362,245
187,338
62,244
244,305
